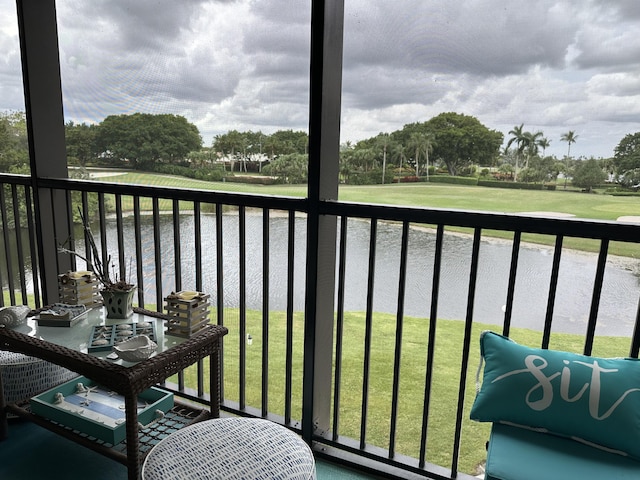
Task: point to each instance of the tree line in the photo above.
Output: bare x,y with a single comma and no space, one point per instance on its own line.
449,143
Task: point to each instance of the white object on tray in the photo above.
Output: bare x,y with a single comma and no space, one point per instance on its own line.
136,348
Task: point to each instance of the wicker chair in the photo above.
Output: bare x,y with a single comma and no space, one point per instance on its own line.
24,376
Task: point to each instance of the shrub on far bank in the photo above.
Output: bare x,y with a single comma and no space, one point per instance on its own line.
211,174
453,180
253,179
515,185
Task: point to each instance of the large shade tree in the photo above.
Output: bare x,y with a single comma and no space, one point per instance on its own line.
143,139
14,150
627,154
80,141
588,174
461,140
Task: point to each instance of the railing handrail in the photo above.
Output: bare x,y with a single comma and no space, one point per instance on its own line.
521,222
518,222
177,193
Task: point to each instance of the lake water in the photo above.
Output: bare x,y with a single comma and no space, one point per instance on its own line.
618,304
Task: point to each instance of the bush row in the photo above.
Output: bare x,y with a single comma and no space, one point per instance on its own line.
516,185
624,194
212,174
253,179
451,179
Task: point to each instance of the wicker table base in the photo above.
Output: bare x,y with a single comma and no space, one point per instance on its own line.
180,416
128,381
233,449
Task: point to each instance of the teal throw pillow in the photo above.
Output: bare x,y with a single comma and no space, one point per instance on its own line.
590,399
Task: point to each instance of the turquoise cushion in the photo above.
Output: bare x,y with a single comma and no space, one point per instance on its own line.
593,399
520,454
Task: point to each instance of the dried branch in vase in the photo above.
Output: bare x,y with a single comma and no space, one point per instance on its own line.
107,274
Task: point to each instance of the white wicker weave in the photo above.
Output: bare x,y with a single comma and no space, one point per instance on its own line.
24,376
231,449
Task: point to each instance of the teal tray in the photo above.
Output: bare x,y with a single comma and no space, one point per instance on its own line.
98,412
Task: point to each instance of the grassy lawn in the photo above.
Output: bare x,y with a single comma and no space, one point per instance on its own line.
588,206
444,392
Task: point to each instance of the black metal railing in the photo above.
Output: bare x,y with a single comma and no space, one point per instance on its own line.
390,399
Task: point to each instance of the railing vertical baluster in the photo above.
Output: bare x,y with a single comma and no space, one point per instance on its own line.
291,255
7,250
84,208
157,250
431,345
197,243
68,219
402,280
140,260
634,350
102,217
18,231
84,205
177,276
473,275
243,305
595,299
367,335
265,312
197,229
220,287
35,275
120,235
553,287
177,256
342,266
511,288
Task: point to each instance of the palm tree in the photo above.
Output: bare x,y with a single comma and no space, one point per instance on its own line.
517,137
398,153
429,143
544,143
421,142
531,141
383,141
415,142
569,137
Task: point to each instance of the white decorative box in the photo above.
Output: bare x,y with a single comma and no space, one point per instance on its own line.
188,313
92,409
79,288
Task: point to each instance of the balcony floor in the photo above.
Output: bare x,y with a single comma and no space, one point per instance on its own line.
33,452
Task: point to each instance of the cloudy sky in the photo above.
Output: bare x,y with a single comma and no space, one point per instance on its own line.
223,64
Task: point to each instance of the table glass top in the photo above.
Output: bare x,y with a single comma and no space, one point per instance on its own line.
81,335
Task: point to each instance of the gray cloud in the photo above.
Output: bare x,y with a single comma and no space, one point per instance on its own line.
477,37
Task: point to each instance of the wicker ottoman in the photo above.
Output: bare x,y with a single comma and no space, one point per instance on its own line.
233,449
24,376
